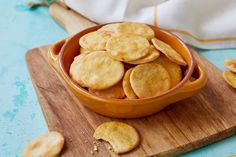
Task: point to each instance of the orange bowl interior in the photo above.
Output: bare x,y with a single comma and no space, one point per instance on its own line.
71,49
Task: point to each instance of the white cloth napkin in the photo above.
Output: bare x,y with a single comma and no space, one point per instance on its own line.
208,24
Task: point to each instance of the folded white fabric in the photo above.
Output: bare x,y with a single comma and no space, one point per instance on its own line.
208,24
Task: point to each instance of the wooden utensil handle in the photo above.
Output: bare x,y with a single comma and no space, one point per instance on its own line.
71,21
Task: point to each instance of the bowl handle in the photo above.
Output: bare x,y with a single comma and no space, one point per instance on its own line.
192,87
54,52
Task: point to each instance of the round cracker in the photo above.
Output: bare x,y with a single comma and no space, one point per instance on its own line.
129,92
115,91
173,69
74,68
122,137
230,78
49,144
150,79
127,47
94,40
109,27
82,50
169,52
98,70
135,28
152,55
230,64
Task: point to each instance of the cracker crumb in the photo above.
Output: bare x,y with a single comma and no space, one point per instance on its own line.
95,148
109,147
91,152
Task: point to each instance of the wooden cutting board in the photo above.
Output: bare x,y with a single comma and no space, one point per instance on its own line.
186,125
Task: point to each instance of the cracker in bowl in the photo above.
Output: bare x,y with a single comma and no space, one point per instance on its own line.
173,69
94,40
127,47
152,55
115,91
168,51
99,71
150,79
230,64
135,28
129,92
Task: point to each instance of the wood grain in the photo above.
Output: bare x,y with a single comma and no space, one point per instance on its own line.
181,127
68,19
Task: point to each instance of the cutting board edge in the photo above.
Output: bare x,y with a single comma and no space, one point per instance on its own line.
172,152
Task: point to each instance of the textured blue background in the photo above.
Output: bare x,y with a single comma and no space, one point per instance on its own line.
21,118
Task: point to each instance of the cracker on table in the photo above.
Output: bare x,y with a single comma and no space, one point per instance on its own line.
47,145
94,40
152,55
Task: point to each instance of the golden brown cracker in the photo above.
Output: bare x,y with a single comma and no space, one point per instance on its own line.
135,28
230,78
150,79
99,71
115,91
75,67
168,51
129,92
127,47
47,145
152,55
173,69
122,137
94,40
230,64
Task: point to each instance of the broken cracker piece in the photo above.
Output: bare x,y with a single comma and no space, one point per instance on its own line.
121,136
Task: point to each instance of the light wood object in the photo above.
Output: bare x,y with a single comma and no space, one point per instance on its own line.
68,19
189,124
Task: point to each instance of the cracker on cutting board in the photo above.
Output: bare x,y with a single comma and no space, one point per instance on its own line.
168,51
122,137
47,145
150,79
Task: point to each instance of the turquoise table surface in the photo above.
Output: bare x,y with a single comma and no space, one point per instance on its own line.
21,118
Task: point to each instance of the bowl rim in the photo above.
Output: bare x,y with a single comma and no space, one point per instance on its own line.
115,100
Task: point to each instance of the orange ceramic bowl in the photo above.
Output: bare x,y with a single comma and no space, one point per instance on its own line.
62,54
